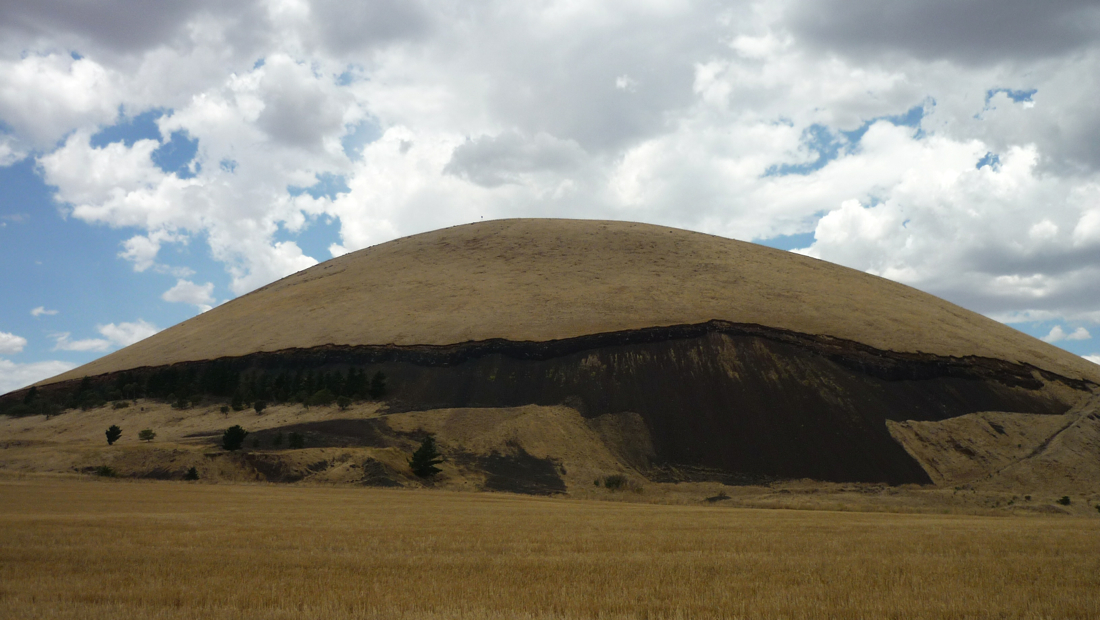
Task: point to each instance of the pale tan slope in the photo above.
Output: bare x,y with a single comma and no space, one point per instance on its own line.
1010,451
541,279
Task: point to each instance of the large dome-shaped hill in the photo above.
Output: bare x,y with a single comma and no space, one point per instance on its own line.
542,280
742,362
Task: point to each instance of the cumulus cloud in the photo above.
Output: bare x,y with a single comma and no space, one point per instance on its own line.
922,142
64,342
1057,334
126,334
187,292
14,376
120,335
979,31
1095,359
11,344
46,96
42,311
490,161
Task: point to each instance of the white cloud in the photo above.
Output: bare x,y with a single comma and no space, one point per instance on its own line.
751,121
42,311
63,342
188,292
14,376
11,344
120,335
126,334
1095,359
1057,334
46,96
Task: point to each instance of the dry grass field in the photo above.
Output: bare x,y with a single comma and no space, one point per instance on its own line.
72,548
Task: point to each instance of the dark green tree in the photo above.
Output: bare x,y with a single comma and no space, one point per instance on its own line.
378,385
147,435
343,402
28,398
425,459
233,437
259,406
238,402
192,474
296,441
113,433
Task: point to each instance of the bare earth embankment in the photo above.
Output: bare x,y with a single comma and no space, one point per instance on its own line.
102,549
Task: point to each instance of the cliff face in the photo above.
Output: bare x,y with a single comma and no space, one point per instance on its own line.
720,401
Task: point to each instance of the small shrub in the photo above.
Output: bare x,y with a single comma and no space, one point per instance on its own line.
119,404
615,482
147,435
343,403
259,406
192,474
424,460
105,472
1065,501
322,398
233,437
113,433
224,410
296,441
181,403
238,402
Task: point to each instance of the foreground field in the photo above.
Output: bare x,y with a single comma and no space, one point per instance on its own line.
83,549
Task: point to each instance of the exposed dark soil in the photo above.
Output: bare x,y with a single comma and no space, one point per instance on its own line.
519,472
330,434
271,467
378,474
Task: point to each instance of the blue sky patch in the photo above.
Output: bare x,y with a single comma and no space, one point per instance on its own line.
63,264
818,139
315,238
910,118
1080,347
130,130
359,137
1018,96
796,241
989,159
176,155
328,185
830,144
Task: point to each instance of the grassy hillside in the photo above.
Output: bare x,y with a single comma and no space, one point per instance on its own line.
544,280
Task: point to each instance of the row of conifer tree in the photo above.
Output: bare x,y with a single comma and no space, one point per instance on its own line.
218,380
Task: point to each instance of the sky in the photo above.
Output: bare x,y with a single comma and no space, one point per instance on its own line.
160,158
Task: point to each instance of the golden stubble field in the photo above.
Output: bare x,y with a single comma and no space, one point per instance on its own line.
73,548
